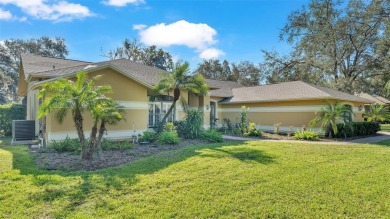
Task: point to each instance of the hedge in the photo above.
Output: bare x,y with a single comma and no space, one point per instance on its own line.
9,112
357,129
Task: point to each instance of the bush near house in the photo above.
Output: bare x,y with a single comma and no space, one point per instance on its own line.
212,136
168,135
357,129
306,135
148,136
9,112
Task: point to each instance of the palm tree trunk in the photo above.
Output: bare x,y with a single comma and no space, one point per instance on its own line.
78,120
99,140
176,95
92,141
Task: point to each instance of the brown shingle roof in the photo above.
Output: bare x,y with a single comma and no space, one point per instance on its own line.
34,64
223,88
296,90
374,98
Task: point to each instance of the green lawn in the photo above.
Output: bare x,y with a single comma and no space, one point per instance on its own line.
241,180
385,127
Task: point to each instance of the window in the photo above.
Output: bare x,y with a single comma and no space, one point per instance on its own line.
158,107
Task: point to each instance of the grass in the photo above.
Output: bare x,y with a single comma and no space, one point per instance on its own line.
237,180
385,127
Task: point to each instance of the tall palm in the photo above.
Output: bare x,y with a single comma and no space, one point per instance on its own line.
376,113
77,96
330,115
180,79
105,111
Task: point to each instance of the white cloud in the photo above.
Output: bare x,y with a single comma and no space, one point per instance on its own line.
200,37
211,53
139,26
122,3
5,15
57,11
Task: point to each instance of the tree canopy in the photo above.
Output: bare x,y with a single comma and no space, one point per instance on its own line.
10,51
137,52
343,45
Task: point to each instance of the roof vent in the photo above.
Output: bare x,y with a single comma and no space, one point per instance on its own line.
54,67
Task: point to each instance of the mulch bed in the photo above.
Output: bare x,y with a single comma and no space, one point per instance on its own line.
49,159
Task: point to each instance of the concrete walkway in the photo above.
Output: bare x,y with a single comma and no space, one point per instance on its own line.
369,140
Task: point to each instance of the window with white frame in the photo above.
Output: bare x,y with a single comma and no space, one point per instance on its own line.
158,107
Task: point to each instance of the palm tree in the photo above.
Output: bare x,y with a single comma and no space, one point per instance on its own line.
330,115
177,80
377,113
77,96
105,111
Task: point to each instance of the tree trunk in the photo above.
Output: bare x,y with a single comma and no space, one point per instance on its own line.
98,146
78,120
92,141
176,95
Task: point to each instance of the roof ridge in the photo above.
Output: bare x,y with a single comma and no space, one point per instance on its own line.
55,57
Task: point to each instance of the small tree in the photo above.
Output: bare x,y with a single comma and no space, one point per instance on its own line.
377,113
180,79
330,115
77,96
243,119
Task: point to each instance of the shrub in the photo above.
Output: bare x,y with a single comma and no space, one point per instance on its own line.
181,128
169,127
9,112
67,145
108,145
306,135
167,137
194,123
243,119
252,131
357,129
148,136
212,136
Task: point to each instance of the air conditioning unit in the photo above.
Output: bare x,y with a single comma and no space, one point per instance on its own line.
23,131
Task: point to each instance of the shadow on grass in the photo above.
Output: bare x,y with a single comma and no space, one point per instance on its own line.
118,178
244,154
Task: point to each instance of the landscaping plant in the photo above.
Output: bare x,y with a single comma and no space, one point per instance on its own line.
67,145
243,119
168,135
177,80
377,113
306,135
252,131
212,136
9,112
194,123
148,136
329,115
78,96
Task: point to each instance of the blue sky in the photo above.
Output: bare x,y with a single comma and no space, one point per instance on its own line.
190,30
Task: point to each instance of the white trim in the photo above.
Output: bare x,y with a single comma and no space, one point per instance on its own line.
110,134
134,104
279,109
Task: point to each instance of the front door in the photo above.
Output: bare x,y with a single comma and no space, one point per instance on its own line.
213,114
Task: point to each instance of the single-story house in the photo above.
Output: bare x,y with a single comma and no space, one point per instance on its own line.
376,99
293,104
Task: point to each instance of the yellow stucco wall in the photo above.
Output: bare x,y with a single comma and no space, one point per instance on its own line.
288,113
130,94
